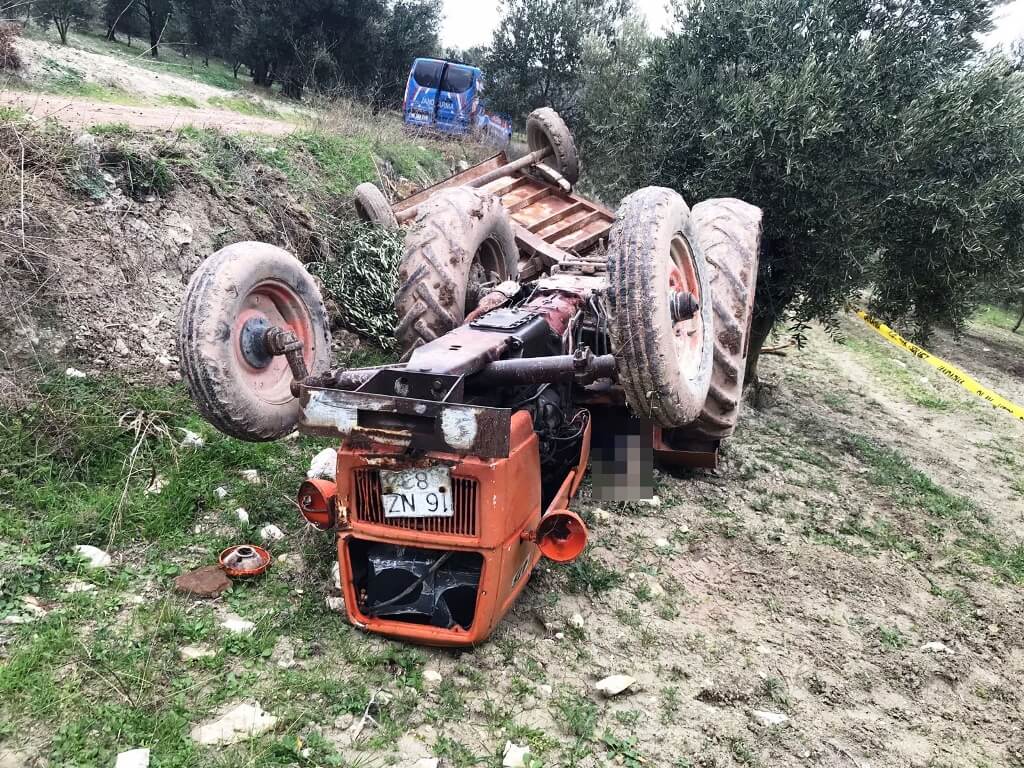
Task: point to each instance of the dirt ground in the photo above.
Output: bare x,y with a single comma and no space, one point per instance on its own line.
83,113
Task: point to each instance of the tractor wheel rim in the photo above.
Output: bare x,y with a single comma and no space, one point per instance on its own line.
270,303
688,334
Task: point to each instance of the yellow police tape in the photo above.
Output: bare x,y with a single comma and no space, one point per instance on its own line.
946,369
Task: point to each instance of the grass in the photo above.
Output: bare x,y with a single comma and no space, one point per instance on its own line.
898,372
178,101
251,107
998,317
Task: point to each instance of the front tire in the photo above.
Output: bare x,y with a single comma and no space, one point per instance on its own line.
664,364
545,128
235,294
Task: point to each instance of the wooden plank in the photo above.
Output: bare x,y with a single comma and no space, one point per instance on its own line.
458,180
574,207
528,199
502,185
571,226
586,237
536,246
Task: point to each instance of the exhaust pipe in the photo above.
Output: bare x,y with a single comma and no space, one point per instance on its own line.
561,536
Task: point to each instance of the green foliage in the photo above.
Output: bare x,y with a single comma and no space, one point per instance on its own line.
362,277
881,148
589,575
537,51
63,14
254,107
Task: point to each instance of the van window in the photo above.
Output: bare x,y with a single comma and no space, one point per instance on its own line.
428,73
457,79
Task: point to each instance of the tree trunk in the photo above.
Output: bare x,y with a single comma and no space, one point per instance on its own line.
760,329
1019,319
62,29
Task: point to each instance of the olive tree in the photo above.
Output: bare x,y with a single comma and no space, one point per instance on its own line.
884,149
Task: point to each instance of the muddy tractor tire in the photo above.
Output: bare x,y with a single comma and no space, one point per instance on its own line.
663,344
373,207
545,128
729,233
234,296
461,241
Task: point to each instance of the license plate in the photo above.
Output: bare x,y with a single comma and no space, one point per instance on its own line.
417,492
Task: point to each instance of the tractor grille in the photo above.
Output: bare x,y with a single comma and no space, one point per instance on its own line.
369,506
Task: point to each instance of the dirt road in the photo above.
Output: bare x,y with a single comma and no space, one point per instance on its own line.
82,113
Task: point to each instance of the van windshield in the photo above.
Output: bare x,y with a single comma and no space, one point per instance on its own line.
456,79
428,73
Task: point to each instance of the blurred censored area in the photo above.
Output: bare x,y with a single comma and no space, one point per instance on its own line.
622,456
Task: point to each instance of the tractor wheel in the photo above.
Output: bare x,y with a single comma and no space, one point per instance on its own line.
729,233
546,128
461,241
373,207
235,295
663,351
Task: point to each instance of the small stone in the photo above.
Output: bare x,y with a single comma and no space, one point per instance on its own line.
662,543
514,756
654,501
656,589
292,435
79,586
238,625
250,476
601,515
431,676
164,362
559,635
324,465
121,348
614,684
769,718
577,621
271,533
344,721
220,492
242,515
195,652
240,722
17,618
935,647
74,373
283,654
336,604
133,758
336,575
191,439
545,690
156,485
97,557
208,581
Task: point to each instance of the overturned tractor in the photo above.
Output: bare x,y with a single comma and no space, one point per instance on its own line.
538,329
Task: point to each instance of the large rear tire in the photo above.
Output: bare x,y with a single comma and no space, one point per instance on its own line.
664,364
546,128
729,233
234,295
461,240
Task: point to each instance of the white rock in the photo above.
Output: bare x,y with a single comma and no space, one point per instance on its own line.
431,676
133,758
191,439
336,575
656,589
79,586
17,618
271,533
662,543
237,624
97,557
577,621
240,722
292,435
601,515
250,476
935,647
769,718
220,492
614,684
193,652
121,348
324,465
74,373
158,484
514,756
336,604
545,690
559,635
654,501
164,362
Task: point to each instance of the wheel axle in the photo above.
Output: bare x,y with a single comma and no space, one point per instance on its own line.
682,305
